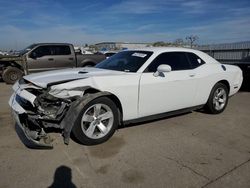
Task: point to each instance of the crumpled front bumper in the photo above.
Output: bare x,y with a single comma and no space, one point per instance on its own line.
18,111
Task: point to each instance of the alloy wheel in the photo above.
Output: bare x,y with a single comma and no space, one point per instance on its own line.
97,121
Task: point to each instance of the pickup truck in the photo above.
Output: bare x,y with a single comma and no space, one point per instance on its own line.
43,57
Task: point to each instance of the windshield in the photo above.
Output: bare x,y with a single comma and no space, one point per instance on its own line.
128,61
25,50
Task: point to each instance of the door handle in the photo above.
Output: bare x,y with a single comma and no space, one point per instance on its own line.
71,58
50,59
192,75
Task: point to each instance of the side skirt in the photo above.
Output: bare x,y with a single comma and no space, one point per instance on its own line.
163,115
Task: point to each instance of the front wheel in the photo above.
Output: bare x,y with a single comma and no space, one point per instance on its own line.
97,121
218,99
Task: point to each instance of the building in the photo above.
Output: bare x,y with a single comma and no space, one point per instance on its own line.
104,46
231,53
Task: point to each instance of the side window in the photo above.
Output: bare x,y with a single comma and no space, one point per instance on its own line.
177,61
42,51
194,60
60,50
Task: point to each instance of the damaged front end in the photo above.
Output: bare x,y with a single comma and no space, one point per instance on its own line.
39,111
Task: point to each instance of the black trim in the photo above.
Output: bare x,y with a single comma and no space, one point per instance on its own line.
163,115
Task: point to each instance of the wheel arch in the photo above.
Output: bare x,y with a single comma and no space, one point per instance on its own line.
118,104
226,83
223,81
209,106
88,62
89,95
111,96
6,64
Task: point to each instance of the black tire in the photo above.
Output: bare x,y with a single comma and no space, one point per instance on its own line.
78,131
12,74
211,103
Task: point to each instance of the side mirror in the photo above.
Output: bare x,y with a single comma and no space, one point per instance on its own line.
161,69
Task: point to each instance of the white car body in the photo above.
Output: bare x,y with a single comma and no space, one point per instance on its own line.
140,93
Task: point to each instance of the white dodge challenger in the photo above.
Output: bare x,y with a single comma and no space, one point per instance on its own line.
131,86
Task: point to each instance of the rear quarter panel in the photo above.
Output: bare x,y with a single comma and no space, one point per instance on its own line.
209,74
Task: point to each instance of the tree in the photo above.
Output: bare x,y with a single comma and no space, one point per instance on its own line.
159,43
191,39
179,42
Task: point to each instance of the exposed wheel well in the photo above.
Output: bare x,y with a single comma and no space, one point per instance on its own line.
91,90
226,83
6,64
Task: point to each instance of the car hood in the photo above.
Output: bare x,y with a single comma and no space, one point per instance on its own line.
48,78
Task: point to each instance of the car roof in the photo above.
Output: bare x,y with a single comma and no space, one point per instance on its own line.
166,49
50,43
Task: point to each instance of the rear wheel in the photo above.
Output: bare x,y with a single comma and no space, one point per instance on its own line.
89,64
12,74
218,99
97,122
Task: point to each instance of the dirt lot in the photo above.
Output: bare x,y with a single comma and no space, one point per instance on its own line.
191,150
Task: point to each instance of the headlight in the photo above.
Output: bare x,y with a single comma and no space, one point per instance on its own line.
65,93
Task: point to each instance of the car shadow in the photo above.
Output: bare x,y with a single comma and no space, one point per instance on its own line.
74,139
141,123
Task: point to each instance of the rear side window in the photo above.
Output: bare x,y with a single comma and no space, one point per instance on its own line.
177,61
194,60
60,50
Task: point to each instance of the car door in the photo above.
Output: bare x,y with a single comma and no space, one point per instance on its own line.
169,91
50,57
40,59
63,56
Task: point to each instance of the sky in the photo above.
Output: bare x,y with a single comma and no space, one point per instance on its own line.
24,22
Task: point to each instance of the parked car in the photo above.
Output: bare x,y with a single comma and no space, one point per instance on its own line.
43,57
245,67
131,86
81,50
3,53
